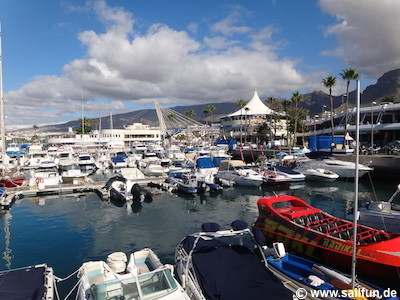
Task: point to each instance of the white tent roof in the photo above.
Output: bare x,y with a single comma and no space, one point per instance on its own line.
255,107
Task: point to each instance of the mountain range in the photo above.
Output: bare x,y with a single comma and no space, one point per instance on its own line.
388,85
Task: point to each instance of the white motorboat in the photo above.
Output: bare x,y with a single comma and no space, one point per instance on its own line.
73,174
237,171
122,189
384,215
345,169
142,277
86,162
317,174
152,167
45,175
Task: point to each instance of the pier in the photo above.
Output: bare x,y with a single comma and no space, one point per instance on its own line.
96,187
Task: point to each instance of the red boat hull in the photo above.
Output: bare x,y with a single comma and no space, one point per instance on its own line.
12,181
374,258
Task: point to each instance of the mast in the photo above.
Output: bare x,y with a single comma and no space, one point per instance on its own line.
2,117
356,179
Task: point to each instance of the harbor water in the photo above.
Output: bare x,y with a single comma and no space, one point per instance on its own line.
65,231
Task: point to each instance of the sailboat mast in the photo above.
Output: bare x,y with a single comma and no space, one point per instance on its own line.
356,179
2,117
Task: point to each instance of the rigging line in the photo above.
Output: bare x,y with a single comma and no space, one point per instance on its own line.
74,287
55,288
134,117
68,277
372,186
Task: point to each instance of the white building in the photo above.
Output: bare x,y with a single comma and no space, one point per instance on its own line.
136,132
245,123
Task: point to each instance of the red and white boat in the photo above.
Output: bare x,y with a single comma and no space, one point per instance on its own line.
310,232
12,181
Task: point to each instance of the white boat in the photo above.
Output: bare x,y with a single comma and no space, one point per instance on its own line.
73,174
317,174
32,282
345,169
86,162
123,189
45,175
237,171
142,277
384,215
152,167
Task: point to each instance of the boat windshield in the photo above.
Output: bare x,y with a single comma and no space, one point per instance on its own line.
152,285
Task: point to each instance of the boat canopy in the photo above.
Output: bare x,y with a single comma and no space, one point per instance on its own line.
25,283
230,164
204,163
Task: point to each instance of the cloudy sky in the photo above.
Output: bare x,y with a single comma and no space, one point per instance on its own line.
121,55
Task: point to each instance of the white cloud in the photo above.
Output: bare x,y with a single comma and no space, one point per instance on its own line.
163,63
367,32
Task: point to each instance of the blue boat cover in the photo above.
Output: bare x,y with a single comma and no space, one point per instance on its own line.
217,160
2,191
233,272
286,170
118,158
23,284
204,163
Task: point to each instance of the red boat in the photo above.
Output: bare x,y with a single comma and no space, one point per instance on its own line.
311,232
11,182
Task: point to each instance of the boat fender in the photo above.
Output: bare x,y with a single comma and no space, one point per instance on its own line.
239,225
210,227
117,262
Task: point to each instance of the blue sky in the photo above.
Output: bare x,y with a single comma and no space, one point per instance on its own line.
122,55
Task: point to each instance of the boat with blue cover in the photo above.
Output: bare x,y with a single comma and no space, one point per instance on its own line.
32,282
187,183
224,264
299,273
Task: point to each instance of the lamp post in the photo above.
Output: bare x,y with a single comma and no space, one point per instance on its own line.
372,125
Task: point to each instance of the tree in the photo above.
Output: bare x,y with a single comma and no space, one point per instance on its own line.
329,82
189,113
211,109
286,104
276,106
241,103
206,112
348,75
87,124
296,99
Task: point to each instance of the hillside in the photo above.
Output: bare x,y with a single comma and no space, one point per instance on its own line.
387,85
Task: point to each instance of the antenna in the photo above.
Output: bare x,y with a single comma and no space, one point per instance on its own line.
2,117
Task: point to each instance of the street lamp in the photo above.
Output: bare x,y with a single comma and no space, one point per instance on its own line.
372,125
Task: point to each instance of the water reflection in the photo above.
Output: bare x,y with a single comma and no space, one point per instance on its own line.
66,231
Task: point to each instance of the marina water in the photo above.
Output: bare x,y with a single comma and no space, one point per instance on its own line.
65,231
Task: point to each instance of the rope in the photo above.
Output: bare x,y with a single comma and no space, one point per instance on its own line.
55,288
68,277
75,286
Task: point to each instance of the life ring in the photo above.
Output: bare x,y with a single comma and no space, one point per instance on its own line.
39,180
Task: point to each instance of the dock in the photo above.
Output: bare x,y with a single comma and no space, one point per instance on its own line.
96,187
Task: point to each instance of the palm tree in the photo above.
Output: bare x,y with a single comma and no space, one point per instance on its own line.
241,103
211,109
296,99
275,106
347,75
286,104
246,122
87,125
189,113
329,82
206,112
